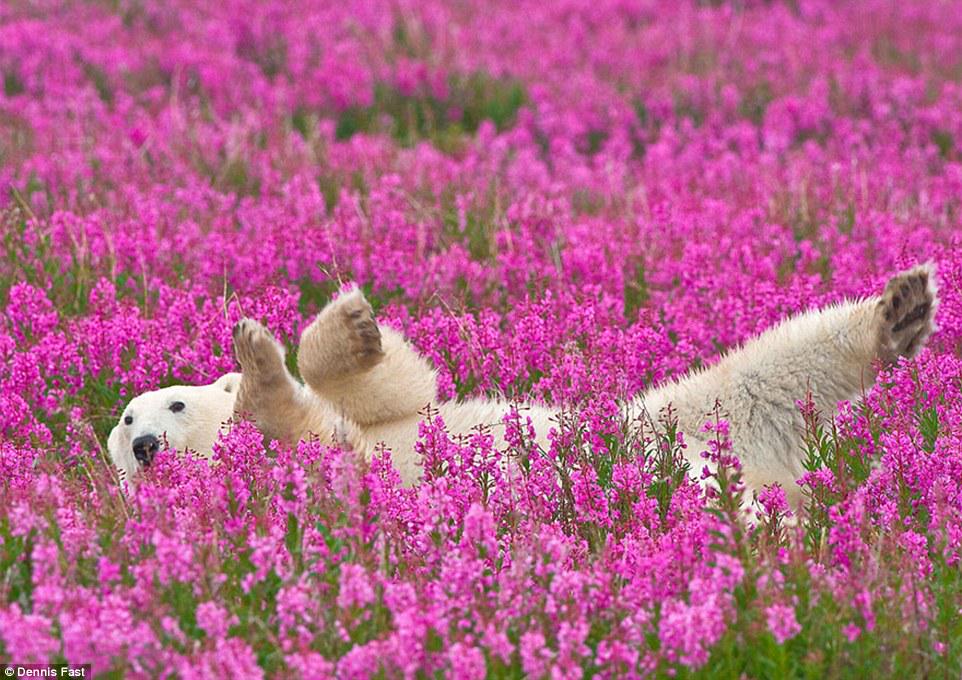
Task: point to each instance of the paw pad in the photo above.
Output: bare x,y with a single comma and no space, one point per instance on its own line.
908,307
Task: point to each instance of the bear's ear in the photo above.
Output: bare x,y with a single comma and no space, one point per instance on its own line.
229,382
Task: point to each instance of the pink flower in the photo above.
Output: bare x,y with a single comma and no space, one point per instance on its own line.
773,500
355,589
214,620
782,622
466,662
535,656
851,632
688,631
27,637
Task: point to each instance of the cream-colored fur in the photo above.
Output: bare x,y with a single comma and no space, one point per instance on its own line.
207,408
366,385
375,386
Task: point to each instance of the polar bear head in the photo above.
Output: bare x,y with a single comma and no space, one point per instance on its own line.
179,417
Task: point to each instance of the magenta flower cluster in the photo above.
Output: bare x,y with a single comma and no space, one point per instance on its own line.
564,202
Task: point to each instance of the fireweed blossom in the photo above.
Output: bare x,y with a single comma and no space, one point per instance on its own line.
781,622
566,203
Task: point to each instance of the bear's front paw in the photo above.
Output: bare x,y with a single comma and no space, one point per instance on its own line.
342,341
259,354
364,337
906,312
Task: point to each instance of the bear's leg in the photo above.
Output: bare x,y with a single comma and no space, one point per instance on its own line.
268,393
905,313
830,354
369,374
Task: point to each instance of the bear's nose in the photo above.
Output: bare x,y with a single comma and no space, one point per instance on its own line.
145,447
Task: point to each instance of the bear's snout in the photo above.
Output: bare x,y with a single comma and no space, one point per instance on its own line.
145,448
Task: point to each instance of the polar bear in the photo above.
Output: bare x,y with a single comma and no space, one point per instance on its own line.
181,416
365,385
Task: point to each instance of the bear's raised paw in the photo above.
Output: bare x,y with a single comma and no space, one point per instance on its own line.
343,340
364,335
258,352
906,312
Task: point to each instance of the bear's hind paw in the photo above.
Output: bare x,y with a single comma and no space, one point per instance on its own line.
906,312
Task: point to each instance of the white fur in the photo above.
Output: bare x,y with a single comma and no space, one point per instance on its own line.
207,408
369,387
827,351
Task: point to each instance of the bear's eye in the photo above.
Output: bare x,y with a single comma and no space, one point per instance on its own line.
177,406
128,420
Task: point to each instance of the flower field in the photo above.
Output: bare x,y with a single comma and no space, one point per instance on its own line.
564,202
